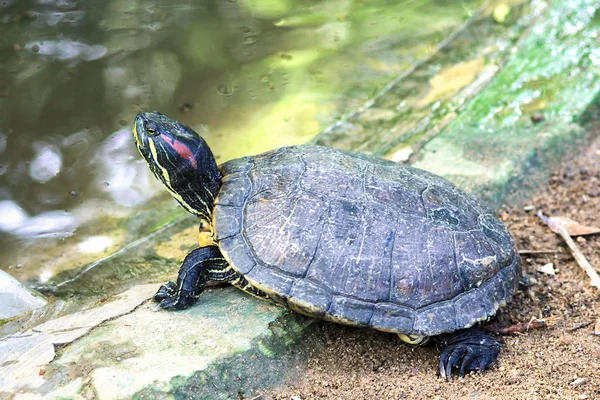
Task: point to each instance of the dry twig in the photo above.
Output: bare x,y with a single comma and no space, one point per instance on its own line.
522,327
575,228
556,227
528,252
579,326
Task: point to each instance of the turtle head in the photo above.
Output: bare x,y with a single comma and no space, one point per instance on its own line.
180,159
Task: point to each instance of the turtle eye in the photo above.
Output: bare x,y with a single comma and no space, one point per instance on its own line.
151,131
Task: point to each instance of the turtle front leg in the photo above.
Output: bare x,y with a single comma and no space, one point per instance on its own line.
470,350
200,266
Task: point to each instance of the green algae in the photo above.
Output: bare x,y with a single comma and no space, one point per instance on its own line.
549,74
428,98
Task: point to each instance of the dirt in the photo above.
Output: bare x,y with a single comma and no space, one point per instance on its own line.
561,361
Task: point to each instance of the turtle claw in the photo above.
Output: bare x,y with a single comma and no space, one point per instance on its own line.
470,350
170,302
167,290
168,296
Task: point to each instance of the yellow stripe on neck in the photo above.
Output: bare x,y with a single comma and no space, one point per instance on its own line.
167,182
167,179
135,135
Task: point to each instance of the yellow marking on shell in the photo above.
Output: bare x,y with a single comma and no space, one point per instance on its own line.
341,320
281,257
237,282
305,308
287,220
213,225
417,340
362,243
273,296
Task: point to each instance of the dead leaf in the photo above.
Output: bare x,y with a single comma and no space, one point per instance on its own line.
573,227
522,327
452,79
558,228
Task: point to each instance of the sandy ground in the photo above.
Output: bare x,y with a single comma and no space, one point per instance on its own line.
558,362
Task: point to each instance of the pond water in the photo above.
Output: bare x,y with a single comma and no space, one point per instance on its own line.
250,75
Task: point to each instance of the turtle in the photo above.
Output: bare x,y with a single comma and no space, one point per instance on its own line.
339,236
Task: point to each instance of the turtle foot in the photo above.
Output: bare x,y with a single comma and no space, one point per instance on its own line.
167,290
168,296
468,350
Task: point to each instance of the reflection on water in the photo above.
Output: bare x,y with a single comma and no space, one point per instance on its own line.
46,162
249,74
125,180
50,223
66,50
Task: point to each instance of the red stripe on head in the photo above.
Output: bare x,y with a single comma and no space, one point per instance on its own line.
182,149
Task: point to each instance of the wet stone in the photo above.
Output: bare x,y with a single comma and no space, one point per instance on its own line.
16,299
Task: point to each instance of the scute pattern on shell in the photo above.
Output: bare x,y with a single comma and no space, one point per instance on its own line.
363,241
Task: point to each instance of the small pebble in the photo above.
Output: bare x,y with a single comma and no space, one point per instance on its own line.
578,382
537,117
529,208
186,107
547,269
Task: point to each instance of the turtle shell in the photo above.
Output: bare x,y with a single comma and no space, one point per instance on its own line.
363,241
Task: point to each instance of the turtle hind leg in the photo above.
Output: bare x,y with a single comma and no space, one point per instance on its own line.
241,283
200,266
469,350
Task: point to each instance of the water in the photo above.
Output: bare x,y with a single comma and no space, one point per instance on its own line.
250,75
